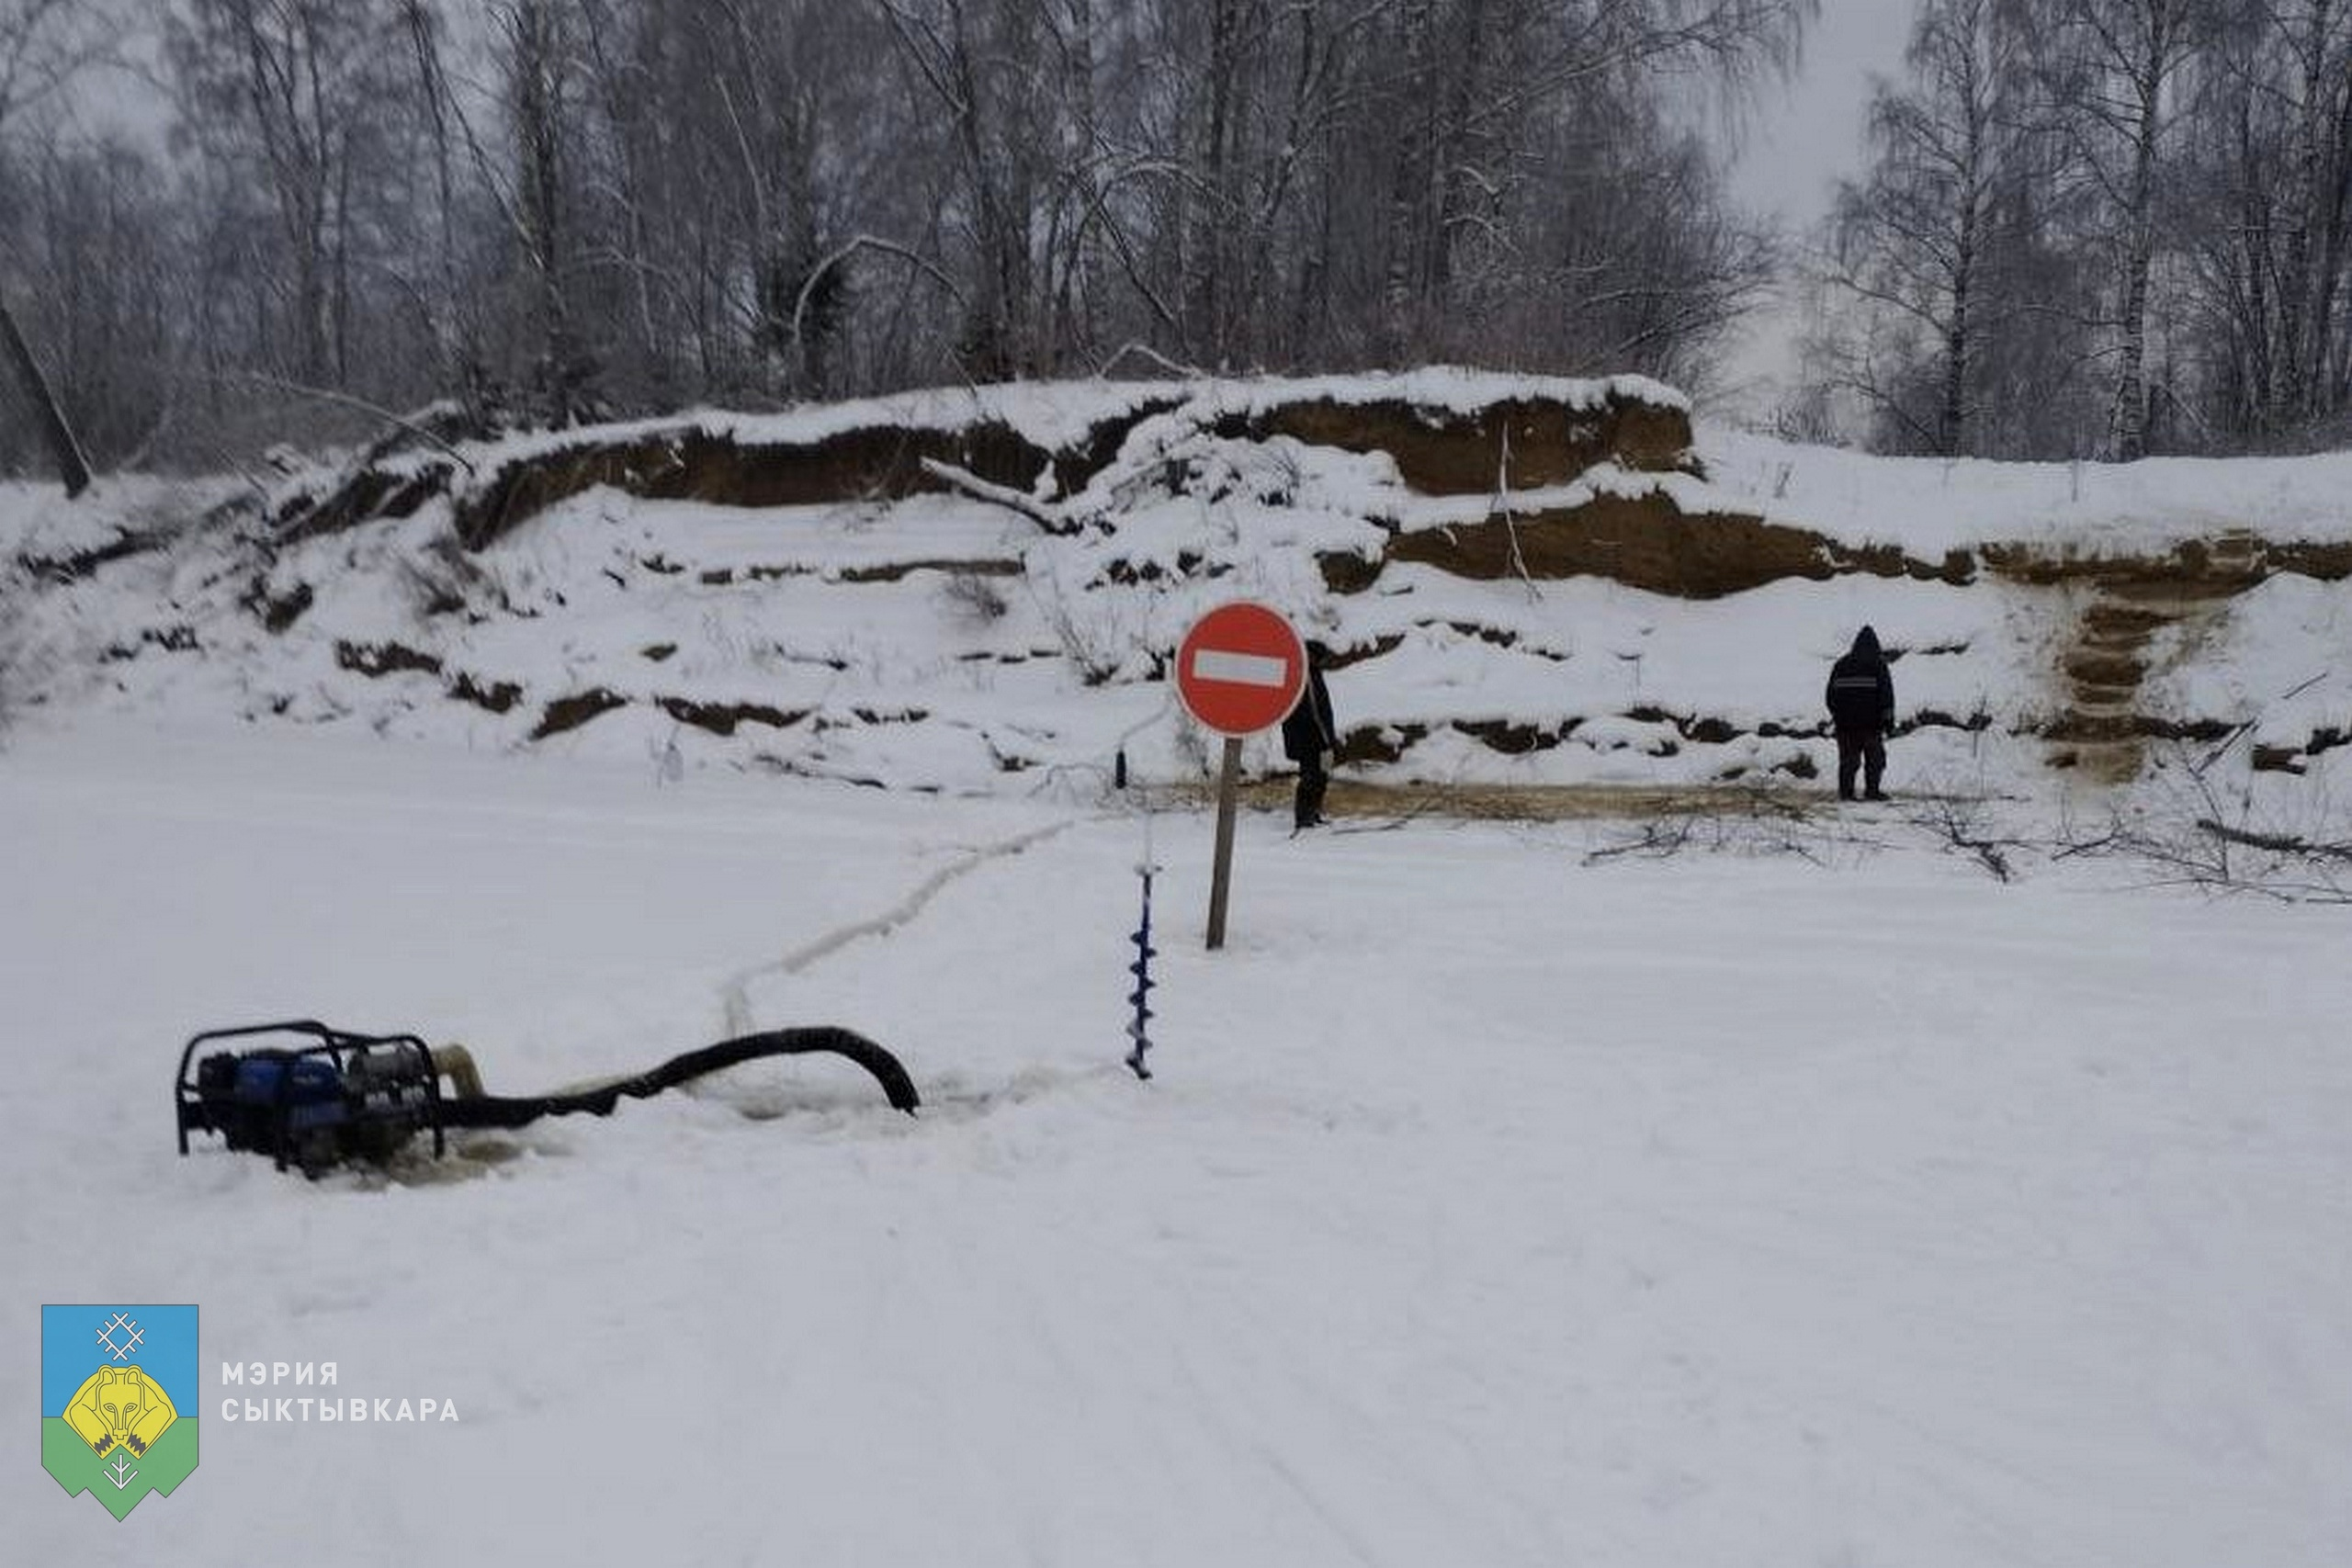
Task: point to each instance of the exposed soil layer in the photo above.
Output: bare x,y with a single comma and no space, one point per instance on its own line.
571,712
74,568
366,495
2119,610
2229,562
2102,727
720,718
2293,759
277,614
1646,541
384,659
691,464
1521,444
497,697
1518,443
875,463
892,571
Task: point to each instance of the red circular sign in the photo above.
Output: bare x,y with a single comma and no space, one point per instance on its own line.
1240,669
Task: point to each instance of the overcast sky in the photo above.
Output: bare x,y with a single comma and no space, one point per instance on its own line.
1802,140
1806,136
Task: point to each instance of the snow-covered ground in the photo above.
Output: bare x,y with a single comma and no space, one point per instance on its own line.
1491,1206
1932,505
1804,1197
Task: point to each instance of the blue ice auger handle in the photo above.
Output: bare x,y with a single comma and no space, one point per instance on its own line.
1141,970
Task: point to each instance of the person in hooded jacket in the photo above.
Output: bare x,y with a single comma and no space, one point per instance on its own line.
1861,696
1309,731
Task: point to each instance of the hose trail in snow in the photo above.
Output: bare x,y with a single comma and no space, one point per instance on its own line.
735,995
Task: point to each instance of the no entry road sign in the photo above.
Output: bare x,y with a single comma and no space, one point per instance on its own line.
1240,669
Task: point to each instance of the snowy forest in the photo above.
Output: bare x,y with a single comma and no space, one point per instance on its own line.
2081,227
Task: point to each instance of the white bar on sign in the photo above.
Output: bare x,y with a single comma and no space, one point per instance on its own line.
1240,669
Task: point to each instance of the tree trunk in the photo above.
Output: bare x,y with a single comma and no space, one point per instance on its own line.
2296,339
1952,422
71,466
1412,175
1212,212
1074,268
539,131
1461,60
432,88
2130,417
2329,346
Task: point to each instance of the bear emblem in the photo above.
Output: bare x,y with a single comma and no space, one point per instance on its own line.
120,1406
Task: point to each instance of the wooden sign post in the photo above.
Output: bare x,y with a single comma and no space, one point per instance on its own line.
1238,670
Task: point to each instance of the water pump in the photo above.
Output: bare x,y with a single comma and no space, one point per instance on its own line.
309,1095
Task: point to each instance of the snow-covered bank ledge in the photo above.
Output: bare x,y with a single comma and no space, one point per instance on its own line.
1527,582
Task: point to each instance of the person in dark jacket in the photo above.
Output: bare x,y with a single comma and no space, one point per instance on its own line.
1861,707
1309,731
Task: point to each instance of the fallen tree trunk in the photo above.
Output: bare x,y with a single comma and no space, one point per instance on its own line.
2276,843
72,466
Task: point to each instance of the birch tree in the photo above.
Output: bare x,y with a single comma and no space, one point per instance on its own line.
289,96
1916,237
44,45
2113,72
2271,167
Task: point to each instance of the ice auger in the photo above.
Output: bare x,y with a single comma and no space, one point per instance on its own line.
314,1096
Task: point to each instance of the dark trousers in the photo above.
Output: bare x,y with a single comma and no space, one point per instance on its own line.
1864,749
1313,778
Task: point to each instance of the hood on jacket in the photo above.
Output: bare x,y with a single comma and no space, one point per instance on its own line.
1866,641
